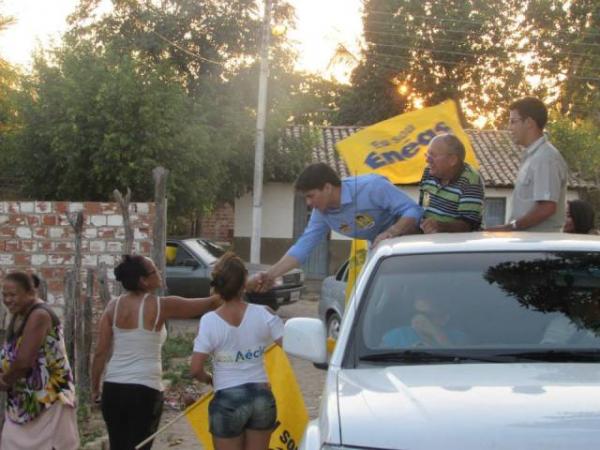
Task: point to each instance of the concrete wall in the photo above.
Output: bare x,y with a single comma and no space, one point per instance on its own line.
277,212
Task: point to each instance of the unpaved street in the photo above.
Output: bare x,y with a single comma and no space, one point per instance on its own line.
181,437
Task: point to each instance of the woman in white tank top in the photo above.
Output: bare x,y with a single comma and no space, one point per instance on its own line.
133,327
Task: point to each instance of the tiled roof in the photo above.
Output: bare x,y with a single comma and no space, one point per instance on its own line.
498,156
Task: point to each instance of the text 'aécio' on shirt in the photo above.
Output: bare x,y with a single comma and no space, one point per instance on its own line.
238,351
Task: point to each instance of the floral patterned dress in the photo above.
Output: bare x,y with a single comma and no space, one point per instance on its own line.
50,379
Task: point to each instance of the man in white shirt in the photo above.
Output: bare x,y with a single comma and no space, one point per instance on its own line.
538,199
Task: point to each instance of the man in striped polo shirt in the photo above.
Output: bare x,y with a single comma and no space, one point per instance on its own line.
451,191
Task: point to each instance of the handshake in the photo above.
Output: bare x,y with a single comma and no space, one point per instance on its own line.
260,282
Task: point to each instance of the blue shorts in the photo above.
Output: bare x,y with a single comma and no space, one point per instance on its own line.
248,406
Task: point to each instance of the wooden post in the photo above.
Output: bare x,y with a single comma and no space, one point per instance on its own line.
159,235
103,283
124,206
76,222
69,295
43,289
2,338
83,362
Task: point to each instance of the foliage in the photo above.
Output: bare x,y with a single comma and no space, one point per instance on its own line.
179,346
579,143
172,84
9,121
425,51
565,37
94,122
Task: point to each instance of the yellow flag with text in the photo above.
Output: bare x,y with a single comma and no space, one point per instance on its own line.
396,147
292,416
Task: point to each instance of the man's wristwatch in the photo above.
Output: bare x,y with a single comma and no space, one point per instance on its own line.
513,224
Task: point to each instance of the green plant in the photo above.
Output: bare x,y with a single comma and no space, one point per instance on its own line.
176,347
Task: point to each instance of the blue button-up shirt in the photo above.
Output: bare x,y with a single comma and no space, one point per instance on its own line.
370,204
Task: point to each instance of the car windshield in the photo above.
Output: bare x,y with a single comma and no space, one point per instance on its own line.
208,251
494,307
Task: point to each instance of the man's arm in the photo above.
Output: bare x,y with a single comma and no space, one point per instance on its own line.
536,215
391,198
431,225
315,231
263,281
404,225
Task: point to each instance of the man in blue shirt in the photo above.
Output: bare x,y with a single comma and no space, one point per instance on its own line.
365,207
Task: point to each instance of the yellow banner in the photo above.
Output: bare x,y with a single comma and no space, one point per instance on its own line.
396,147
358,256
292,416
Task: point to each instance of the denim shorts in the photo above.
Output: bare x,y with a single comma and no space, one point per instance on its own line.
248,406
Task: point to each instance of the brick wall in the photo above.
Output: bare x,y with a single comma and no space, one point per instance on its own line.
219,225
36,236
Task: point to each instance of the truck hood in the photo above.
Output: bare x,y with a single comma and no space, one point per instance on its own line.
471,406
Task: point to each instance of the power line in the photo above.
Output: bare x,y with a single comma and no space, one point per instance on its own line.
459,53
187,52
458,41
463,21
455,63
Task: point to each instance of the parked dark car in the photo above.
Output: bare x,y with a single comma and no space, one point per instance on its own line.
190,262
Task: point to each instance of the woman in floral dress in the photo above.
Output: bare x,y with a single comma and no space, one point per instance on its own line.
35,373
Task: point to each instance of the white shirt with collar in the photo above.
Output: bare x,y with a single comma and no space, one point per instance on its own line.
542,177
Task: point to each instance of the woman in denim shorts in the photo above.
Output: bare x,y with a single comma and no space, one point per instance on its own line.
242,413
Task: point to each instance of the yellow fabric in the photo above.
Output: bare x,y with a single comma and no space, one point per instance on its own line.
396,147
292,416
358,256
170,254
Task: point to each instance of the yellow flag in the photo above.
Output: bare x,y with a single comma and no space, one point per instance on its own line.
396,147
358,256
292,416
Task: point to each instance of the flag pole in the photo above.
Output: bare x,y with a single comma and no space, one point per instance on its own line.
175,419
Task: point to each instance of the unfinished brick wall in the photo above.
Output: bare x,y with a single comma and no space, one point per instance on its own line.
36,236
219,225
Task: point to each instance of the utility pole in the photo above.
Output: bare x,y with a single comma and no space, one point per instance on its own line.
259,152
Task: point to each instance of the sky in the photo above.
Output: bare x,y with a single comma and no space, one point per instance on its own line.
321,26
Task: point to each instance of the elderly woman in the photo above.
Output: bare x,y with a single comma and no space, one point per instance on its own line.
36,374
133,326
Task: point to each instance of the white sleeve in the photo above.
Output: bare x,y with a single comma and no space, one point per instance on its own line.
203,342
274,323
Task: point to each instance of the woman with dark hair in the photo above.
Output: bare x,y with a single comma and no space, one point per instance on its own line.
242,413
580,217
133,326
40,408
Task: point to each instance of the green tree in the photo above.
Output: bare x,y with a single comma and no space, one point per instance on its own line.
212,48
565,37
95,121
426,51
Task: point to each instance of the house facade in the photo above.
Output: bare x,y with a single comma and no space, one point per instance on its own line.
284,212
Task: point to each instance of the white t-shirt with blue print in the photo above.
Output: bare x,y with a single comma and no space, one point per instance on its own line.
370,204
238,351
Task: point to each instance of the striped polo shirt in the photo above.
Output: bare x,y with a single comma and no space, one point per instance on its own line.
461,199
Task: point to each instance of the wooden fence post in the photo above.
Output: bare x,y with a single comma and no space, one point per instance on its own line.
103,283
43,289
76,222
124,206
159,234
69,330
83,361
2,337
